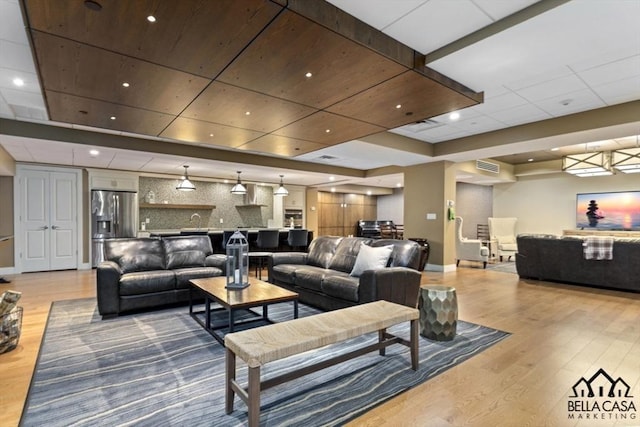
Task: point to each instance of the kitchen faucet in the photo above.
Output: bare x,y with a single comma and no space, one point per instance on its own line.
196,215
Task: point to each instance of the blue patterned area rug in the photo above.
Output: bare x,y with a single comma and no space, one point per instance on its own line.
162,369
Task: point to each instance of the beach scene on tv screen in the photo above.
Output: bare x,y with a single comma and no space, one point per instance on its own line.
608,211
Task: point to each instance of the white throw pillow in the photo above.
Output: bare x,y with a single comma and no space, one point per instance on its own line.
371,258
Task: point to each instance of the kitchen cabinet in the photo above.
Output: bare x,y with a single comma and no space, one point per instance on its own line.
295,199
111,180
339,213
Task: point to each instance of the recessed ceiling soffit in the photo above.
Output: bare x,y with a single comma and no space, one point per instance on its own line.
253,75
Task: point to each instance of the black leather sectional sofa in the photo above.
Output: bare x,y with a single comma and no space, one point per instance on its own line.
142,273
561,259
322,277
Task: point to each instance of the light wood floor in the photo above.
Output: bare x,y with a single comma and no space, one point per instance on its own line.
560,334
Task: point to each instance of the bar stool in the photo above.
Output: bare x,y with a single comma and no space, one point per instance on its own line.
267,239
298,238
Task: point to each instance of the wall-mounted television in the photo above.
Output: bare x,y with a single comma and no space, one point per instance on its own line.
618,210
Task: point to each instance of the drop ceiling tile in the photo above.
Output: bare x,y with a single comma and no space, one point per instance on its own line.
82,70
185,129
501,9
479,124
437,16
90,112
377,13
281,146
620,91
613,71
277,61
314,128
508,100
581,100
521,114
15,96
225,104
31,83
552,88
16,56
182,38
12,28
438,134
409,90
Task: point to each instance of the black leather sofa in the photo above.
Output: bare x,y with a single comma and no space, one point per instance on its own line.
561,259
322,276
140,273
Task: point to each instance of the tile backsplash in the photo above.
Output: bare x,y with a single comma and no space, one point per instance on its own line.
206,193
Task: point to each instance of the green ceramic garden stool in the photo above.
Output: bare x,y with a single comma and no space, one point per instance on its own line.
438,312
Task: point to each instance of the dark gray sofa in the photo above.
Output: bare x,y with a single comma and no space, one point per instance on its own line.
561,259
140,273
322,276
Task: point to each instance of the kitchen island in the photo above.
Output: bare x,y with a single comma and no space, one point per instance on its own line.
215,234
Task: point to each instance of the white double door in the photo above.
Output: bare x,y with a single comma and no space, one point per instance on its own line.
48,220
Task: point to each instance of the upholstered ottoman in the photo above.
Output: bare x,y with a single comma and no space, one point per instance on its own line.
438,307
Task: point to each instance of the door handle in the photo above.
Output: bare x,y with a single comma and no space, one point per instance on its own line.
54,227
44,227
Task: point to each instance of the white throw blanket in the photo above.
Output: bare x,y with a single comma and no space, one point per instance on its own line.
598,248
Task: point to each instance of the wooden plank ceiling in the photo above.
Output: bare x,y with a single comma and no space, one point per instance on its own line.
231,73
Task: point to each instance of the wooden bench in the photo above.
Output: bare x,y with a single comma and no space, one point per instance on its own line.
273,342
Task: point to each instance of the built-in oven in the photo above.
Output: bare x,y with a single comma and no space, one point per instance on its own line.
292,218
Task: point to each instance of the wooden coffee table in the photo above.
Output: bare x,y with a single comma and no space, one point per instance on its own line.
233,306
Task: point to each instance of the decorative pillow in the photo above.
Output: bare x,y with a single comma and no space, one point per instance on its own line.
371,258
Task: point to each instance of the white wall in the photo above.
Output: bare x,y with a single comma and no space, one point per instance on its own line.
547,203
392,207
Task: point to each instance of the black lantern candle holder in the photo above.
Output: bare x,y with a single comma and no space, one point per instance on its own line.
237,261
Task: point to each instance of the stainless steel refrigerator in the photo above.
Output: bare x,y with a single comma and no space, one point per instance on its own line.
113,214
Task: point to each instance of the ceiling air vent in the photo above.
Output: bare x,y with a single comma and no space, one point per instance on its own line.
422,125
483,165
326,158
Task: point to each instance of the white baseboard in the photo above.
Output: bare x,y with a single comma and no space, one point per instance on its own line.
7,270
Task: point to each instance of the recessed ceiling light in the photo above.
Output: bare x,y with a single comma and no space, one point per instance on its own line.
529,160
308,75
112,117
125,84
247,113
555,149
226,181
454,116
333,190
328,130
18,82
151,18
332,178
94,152
398,185
210,134
368,192
399,106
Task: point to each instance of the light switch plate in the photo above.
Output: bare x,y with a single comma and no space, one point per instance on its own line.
431,216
